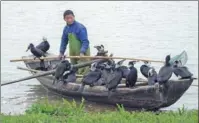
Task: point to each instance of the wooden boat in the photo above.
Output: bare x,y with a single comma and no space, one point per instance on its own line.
142,96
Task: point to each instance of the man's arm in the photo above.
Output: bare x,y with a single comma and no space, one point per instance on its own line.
64,42
83,37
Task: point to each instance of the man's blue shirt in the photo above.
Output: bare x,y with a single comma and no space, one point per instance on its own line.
79,30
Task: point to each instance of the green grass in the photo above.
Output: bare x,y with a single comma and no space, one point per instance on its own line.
71,112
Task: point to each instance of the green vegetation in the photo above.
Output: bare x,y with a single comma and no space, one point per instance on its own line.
71,112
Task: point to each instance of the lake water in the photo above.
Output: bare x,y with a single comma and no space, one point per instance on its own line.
129,29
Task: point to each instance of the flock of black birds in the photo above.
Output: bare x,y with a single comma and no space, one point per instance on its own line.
110,73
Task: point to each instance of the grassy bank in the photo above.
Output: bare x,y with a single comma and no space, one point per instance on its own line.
70,112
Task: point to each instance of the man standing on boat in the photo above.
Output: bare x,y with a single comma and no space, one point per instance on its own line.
75,34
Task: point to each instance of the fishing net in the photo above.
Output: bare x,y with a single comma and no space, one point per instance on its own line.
181,58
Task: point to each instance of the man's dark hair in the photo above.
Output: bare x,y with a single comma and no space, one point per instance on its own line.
68,12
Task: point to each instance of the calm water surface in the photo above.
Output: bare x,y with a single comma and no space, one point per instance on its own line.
130,29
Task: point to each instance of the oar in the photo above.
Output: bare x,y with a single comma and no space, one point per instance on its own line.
30,77
86,57
40,74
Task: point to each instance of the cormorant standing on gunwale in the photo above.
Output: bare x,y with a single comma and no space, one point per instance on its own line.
63,66
37,53
144,69
152,76
91,77
165,72
131,78
115,77
70,76
181,71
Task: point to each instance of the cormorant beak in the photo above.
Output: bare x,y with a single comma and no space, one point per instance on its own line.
27,49
121,62
97,47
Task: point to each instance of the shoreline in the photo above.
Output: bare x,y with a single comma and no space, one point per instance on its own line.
65,111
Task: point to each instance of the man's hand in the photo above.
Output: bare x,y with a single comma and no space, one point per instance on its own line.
81,54
61,56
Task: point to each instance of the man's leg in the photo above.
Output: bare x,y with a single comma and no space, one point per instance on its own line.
81,71
84,70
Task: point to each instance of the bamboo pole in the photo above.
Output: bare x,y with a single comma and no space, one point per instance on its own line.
85,57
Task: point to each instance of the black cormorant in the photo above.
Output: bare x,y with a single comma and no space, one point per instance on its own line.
165,72
132,76
44,45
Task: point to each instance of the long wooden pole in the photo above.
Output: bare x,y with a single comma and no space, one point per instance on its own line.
29,77
40,74
86,57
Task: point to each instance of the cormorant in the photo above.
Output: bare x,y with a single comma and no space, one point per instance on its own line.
165,72
181,71
132,76
152,76
115,77
44,45
35,51
100,50
70,76
93,76
144,69
63,66
106,69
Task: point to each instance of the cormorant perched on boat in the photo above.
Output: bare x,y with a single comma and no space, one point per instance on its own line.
100,50
106,69
44,45
63,66
144,69
165,72
93,76
125,71
132,76
181,71
35,51
115,77
152,76
70,76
